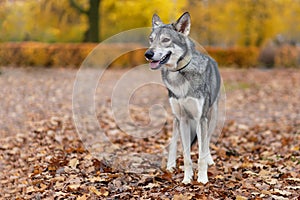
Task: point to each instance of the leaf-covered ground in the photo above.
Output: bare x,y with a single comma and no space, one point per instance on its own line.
257,155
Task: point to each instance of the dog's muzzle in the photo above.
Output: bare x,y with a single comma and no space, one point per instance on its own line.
156,64
149,54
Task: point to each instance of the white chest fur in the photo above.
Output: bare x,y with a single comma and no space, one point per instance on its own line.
180,90
189,106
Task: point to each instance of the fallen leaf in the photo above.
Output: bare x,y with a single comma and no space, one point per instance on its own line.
240,197
182,197
73,163
151,185
219,177
83,197
293,179
271,181
73,187
31,189
94,190
282,192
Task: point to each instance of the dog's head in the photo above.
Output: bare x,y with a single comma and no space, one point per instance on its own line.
168,42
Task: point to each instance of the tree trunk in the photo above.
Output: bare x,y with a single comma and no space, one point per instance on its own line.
92,33
93,19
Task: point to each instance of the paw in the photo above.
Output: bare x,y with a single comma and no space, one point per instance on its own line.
186,181
210,160
202,177
202,171
171,166
171,169
188,176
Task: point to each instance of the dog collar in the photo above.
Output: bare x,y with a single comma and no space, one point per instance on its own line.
183,62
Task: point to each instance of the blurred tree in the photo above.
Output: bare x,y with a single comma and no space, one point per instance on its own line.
214,22
92,33
47,21
126,14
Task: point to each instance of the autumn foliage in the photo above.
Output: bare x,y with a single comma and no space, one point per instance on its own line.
72,55
237,57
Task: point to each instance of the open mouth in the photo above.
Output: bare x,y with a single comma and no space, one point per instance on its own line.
155,64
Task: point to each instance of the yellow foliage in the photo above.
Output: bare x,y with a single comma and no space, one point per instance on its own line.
214,22
123,15
244,22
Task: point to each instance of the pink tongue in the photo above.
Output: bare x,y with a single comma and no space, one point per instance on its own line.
154,65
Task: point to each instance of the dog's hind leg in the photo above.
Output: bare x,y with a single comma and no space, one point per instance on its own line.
212,124
173,146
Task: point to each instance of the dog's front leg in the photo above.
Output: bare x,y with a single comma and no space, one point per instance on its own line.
186,143
173,146
204,154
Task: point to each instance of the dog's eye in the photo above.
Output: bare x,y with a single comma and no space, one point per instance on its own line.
166,40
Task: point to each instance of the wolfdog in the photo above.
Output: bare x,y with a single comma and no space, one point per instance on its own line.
193,82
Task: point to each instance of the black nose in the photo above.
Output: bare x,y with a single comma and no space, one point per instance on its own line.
149,54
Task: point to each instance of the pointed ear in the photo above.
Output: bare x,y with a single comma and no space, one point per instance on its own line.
156,21
183,24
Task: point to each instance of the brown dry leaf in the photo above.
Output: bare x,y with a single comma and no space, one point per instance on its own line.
73,163
282,192
271,181
98,179
166,176
182,197
94,190
103,191
83,197
267,192
248,165
60,194
73,187
240,197
250,173
293,187
219,177
264,173
293,179
31,189
151,185
43,187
